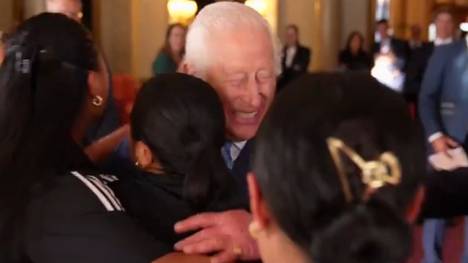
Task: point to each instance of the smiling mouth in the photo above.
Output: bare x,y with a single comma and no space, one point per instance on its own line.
247,115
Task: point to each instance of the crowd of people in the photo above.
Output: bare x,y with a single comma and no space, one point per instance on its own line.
215,166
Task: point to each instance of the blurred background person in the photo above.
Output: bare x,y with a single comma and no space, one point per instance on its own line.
390,57
444,114
354,57
420,52
70,8
296,58
2,46
172,53
415,40
387,43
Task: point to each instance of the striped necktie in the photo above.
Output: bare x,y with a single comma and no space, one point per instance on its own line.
226,152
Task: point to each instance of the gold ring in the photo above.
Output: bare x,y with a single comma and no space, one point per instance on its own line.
237,251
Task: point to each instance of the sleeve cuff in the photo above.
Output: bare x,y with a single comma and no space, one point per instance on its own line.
435,136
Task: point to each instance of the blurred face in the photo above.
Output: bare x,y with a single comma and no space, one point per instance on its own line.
242,72
70,8
355,43
382,29
177,39
444,26
99,86
2,53
415,32
291,37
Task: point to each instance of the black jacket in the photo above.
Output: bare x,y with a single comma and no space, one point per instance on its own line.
299,66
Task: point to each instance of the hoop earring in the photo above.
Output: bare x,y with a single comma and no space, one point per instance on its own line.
97,101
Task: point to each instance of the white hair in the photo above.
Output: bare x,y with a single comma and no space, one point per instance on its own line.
224,17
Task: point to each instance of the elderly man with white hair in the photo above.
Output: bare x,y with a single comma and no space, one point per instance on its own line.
233,48
70,8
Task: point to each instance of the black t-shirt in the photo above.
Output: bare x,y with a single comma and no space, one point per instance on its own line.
79,220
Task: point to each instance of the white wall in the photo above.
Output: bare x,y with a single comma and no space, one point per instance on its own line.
355,17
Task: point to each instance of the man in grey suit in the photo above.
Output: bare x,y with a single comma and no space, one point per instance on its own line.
443,107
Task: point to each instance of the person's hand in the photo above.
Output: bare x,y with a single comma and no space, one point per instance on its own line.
443,144
225,234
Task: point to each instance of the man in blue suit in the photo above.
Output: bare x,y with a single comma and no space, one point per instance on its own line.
443,107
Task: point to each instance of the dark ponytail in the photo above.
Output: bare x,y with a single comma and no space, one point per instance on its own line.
180,118
205,179
300,181
364,233
43,86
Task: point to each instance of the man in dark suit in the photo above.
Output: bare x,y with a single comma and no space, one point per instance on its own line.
420,53
296,58
443,108
387,44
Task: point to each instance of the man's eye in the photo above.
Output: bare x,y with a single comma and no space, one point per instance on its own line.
264,75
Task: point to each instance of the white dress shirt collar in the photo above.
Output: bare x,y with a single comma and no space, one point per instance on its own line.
440,41
236,149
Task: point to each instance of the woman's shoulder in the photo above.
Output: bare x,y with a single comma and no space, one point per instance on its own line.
78,192
81,215
164,64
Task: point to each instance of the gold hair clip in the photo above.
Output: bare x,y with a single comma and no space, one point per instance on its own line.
375,174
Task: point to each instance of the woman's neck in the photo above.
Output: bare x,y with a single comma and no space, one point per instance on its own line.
285,250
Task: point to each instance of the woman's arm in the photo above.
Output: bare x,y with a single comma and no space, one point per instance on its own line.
99,150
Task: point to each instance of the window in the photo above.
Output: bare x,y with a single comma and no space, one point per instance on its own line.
382,10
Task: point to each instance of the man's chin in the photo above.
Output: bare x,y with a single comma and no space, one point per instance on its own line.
242,133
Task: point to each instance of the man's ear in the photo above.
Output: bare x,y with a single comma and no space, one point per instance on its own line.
143,154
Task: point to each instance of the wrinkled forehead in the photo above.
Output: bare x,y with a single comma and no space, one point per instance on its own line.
246,47
64,6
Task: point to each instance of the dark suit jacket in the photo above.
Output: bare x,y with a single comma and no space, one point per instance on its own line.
242,166
298,67
446,194
415,68
443,101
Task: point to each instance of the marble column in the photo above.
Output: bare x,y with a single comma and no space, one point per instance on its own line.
327,34
398,17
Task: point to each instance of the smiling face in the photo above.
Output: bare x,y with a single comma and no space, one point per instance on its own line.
242,72
177,39
444,26
70,8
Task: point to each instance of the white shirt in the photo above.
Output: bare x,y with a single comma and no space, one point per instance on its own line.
440,41
236,149
290,53
385,45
